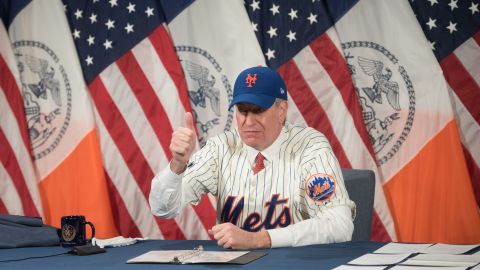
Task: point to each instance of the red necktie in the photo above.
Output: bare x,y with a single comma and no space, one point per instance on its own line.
258,163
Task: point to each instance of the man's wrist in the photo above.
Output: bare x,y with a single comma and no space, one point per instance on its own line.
177,167
263,239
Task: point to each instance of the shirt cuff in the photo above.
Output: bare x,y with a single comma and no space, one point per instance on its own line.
165,190
170,179
281,237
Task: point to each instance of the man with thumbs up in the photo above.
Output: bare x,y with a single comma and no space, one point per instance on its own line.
276,184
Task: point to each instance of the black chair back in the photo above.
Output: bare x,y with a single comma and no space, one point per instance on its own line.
360,185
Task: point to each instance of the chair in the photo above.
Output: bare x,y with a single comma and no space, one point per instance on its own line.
360,185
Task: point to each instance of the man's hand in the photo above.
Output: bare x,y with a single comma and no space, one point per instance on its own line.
231,236
182,145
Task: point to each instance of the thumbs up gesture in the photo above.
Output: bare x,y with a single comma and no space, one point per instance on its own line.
182,144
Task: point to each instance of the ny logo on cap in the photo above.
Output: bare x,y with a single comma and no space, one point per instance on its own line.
250,81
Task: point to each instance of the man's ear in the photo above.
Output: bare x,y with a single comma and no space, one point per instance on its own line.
283,111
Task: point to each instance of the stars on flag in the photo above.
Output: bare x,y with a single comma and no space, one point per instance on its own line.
131,8
272,32
255,5
312,18
118,20
107,44
129,28
473,8
288,24
149,11
275,9
113,3
431,23
76,33
447,24
452,27
93,18
91,40
293,14
270,54
254,26
110,24
89,60
78,14
291,36
453,4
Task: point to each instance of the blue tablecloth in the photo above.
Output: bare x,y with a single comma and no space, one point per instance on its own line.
309,257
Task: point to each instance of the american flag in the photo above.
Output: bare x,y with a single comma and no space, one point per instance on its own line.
298,39
18,191
139,91
453,30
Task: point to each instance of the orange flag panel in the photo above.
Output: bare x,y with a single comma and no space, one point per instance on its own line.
69,190
431,197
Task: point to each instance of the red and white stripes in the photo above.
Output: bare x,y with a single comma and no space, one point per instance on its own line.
462,72
140,100
324,96
18,190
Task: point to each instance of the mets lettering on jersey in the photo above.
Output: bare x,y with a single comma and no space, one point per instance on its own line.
253,223
301,179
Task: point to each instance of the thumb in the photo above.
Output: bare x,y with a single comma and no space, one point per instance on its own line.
189,121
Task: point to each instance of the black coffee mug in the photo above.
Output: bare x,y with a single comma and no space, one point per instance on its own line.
73,233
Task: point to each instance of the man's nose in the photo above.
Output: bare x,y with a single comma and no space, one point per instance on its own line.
249,118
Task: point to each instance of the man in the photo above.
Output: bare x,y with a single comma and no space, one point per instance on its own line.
277,184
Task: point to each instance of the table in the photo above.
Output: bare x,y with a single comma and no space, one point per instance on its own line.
316,257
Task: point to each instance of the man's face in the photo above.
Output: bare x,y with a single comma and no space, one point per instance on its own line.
259,128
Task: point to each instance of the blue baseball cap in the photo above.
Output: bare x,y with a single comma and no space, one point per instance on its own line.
259,86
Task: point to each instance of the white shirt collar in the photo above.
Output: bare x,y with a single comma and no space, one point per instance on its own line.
270,153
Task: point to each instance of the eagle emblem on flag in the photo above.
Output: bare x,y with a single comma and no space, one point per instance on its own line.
47,95
386,94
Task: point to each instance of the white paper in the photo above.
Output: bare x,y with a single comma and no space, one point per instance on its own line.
379,259
407,267
358,267
397,248
443,260
448,249
187,256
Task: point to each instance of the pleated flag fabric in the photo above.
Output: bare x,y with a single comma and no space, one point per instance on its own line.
300,40
408,113
59,116
390,98
18,190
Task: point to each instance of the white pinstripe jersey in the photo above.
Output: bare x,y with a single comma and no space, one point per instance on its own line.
277,196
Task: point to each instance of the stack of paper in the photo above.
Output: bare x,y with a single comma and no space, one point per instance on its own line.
443,260
413,256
